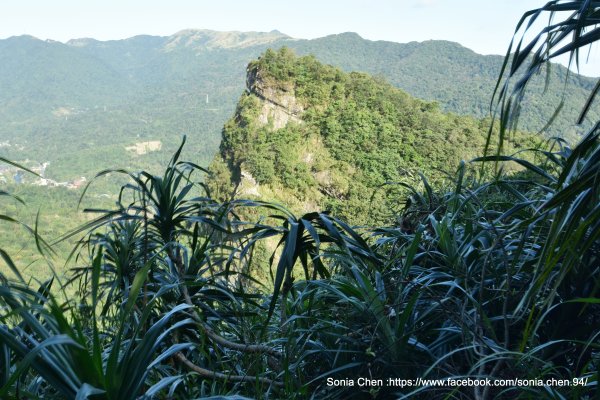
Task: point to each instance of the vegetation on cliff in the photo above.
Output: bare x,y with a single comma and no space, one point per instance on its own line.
493,278
310,136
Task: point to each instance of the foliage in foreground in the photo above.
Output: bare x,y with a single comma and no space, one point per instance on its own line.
496,279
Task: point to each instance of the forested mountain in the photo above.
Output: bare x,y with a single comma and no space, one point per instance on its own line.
309,136
61,101
460,80
478,282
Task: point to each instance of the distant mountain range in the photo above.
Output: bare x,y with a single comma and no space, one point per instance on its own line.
80,104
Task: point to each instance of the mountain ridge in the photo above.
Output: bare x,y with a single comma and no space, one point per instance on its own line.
121,92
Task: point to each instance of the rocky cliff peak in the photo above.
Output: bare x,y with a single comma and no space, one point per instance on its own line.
279,102
310,136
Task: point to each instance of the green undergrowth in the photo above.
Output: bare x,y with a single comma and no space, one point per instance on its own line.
493,275
492,279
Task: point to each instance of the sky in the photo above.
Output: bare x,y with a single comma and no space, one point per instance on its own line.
485,26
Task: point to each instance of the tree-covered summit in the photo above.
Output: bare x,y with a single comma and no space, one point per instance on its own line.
486,289
308,134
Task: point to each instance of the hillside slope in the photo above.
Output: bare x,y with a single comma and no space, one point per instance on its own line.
79,105
312,137
459,79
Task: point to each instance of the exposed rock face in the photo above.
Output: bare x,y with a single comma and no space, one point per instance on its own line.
248,185
273,101
280,104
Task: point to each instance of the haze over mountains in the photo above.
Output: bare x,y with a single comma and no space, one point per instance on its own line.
79,105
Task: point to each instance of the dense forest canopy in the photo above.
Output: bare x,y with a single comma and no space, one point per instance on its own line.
309,136
489,276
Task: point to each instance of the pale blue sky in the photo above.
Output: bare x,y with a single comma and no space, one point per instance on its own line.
485,26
